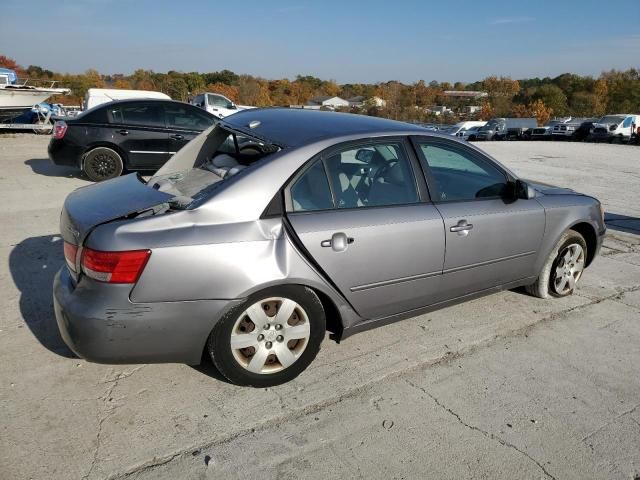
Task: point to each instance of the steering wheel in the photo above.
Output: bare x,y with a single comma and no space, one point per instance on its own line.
381,172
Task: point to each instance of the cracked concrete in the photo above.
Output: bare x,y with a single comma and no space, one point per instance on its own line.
507,386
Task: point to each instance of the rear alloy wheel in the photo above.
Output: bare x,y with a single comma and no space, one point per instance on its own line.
269,339
563,268
102,163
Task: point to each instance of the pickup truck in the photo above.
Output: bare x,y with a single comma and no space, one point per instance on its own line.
507,128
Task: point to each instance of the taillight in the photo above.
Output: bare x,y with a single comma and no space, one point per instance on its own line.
59,129
70,254
114,267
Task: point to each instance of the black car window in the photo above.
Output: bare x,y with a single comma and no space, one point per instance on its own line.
311,191
461,175
186,117
147,114
372,175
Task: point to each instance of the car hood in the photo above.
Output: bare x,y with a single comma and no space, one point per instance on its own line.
547,189
89,206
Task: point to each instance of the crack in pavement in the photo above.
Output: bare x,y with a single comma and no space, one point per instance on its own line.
487,434
314,408
110,408
602,427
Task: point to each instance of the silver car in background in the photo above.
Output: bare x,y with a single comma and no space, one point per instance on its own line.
342,223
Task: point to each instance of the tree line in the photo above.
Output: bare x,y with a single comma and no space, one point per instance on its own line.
614,91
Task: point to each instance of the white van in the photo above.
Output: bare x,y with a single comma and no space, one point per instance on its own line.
98,96
217,104
615,127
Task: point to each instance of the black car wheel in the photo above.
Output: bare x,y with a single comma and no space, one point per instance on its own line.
270,338
102,163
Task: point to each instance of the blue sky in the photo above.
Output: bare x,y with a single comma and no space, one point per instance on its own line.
341,40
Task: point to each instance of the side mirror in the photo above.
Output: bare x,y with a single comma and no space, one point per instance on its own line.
612,127
232,106
364,155
524,191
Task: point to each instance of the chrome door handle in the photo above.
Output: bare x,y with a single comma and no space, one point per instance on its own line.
123,132
338,242
462,228
177,136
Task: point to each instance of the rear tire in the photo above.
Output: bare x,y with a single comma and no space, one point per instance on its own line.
560,274
102,163
269,350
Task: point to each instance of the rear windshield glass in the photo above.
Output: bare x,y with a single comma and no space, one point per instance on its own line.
212,158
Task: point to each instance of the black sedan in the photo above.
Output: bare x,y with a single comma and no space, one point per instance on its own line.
129,135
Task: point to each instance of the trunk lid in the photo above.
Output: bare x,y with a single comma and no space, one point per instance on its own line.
89,206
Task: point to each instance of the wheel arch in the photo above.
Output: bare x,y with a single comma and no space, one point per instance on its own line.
590,236
112,146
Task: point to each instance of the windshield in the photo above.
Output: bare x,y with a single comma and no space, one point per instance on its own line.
213,157
491,125
611,119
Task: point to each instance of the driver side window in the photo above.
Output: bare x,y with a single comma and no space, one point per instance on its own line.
459,175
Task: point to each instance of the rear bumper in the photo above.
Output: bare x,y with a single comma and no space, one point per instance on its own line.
99,323
61,152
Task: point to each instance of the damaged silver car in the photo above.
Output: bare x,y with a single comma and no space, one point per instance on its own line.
338,223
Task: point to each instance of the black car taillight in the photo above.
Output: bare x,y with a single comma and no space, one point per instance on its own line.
114,267
59,129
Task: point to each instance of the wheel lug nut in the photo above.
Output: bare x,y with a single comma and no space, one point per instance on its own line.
260,337
278,327
279,338
268,344
267,326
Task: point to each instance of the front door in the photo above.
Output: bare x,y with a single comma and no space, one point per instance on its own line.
363,216
184,123
491,238
139,129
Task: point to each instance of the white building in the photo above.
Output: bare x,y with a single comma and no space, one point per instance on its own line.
360,102
328,102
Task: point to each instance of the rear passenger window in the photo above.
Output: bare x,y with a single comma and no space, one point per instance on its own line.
371,176
311,191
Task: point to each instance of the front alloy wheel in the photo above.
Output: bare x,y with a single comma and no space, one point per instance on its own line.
568,271
270,338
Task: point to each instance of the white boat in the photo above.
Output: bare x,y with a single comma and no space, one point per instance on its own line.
16,97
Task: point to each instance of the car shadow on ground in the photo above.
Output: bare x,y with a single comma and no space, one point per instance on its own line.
33,264
44,166
622,223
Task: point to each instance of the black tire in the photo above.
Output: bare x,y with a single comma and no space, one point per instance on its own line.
102,163
544,287
219,343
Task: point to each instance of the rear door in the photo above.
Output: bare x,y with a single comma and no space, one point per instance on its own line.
139,129
491,239
184,122
366,220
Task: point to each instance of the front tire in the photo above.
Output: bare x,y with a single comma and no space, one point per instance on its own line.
102,163
270,338
563,269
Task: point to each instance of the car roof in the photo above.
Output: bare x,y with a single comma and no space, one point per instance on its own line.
291,127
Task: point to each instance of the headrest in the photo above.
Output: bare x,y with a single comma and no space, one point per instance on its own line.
224,160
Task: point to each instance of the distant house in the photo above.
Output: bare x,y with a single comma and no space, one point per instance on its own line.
360,102
439,110
471,109
328,102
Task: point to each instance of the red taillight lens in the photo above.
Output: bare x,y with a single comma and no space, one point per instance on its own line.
70,254
59,129
114,267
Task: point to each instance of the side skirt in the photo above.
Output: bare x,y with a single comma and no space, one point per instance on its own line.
379,322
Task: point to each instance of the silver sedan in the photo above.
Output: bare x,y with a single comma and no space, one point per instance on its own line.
338,223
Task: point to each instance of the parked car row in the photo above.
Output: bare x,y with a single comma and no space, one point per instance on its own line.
609,128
